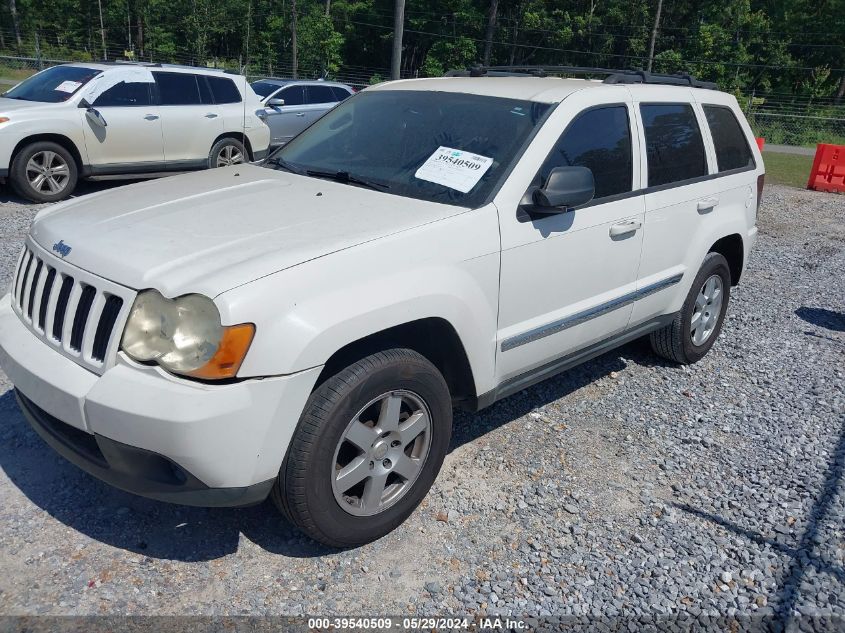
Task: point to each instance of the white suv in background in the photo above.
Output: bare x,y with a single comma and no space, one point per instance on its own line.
303,329
91,119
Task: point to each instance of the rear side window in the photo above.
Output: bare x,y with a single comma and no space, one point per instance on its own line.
340,93
732,151
224,90
125,94
674,147
295,95
321,94
177,89
600,139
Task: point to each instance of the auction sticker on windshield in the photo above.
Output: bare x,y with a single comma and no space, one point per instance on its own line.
68,86
454,168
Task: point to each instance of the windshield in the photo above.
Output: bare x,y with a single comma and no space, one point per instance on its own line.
440,146
53,85
265,88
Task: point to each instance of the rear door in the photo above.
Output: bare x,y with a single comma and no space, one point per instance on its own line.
679,197
190,121
229,102
131,140
321,99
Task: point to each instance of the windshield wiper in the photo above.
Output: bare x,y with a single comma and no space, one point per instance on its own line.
346,178
281,162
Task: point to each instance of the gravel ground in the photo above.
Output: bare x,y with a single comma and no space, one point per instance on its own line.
626,486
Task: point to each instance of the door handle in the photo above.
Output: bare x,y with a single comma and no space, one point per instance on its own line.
300,114
623,228
151,117
211,115
706,204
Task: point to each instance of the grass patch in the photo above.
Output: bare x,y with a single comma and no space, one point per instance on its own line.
787,169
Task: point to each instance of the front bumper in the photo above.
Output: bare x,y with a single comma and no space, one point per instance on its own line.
152,434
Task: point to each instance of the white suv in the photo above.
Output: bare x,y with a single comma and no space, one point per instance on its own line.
94,119
426,244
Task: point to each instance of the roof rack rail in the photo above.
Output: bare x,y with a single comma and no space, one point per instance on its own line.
612,76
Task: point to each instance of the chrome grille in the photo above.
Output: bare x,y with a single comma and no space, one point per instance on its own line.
79,314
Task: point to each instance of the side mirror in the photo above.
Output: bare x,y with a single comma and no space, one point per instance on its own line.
275,103
95,117
565,187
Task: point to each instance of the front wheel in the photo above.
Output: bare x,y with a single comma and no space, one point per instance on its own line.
695,328
367,449
227,151
43,172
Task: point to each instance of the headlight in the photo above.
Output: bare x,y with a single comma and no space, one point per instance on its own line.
184,335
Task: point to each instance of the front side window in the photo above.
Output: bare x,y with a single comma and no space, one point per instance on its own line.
125,94
53,85
732,151
600,139
224,90
295,95
674,147
444,147
320,94
177,89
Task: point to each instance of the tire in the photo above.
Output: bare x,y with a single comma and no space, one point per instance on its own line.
679,341
305,490
227,151
43,172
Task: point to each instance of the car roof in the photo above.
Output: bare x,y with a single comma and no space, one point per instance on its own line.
304,82
540,89
168,67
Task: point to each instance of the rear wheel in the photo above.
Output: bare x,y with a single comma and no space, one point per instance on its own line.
43,172
227,151
696,327
368,446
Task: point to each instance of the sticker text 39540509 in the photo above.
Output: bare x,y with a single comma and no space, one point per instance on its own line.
454,168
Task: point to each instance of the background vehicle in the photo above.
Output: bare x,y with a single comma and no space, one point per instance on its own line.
78,120
375,278
292,105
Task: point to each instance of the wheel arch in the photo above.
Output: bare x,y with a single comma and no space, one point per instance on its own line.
59,139
238,136
435,338
733,250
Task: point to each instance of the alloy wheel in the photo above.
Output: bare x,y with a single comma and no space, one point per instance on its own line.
229,155
707,310
47,172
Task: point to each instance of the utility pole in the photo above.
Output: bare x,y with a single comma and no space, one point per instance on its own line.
102,29
38,51
654,34
398,29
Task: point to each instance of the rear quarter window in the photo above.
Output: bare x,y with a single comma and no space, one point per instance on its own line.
674,146
224,90
732,150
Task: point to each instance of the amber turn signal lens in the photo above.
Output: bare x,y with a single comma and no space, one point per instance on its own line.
4,119
230,353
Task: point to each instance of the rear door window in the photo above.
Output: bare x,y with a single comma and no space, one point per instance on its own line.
732,151
674,146
321,94
224,90
177,89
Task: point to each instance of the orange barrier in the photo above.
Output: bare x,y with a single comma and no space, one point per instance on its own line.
828,173
760,142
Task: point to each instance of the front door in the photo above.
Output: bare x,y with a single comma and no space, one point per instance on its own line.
288,120
568,280
126,136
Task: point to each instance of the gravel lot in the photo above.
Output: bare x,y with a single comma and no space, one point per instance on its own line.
626,486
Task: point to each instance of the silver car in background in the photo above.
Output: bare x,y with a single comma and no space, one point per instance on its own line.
292,105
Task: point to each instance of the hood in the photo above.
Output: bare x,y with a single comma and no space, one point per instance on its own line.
10,105
213,230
